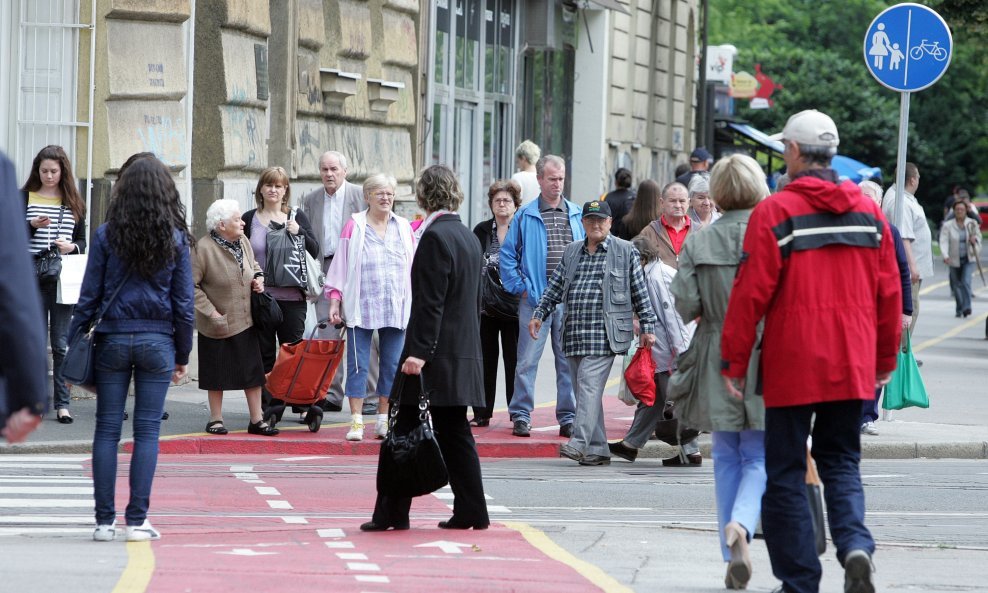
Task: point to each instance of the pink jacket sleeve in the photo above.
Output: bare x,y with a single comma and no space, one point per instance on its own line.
336,275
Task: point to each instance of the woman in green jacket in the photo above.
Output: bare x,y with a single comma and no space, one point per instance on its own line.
702,288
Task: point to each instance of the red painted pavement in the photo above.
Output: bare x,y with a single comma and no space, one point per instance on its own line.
220,534
495,440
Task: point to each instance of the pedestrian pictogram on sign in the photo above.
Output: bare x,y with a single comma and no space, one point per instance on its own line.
907,47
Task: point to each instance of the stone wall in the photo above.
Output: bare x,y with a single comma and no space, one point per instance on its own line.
650,123
141,89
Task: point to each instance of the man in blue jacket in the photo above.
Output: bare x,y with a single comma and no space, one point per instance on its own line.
533,247
24,382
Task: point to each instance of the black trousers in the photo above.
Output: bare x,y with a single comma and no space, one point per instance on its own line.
291,329
460,453
490,330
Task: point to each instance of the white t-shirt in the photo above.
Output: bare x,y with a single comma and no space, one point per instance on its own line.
913,228
529,185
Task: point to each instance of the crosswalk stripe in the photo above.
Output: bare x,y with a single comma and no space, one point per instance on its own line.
6,465
44,480
49,519
46,490
37,503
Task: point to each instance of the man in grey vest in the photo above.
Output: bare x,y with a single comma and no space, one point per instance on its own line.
601,283
328,209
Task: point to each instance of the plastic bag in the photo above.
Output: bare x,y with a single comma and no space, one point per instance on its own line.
906,388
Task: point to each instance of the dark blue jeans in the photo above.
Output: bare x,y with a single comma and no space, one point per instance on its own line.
58,317
785,508
150,359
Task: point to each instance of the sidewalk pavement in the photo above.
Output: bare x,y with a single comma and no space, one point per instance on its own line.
183,433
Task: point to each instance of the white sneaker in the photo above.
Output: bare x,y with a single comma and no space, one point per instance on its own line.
381,428
869,429
105,533
356,432
142,533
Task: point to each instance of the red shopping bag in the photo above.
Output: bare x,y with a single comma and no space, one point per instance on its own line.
304,370
640,376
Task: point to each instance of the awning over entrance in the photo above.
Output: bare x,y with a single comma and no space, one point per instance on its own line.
611,4
736,135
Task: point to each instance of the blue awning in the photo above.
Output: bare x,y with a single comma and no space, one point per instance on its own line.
846,167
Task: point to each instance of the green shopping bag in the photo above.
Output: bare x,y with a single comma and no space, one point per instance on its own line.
906,388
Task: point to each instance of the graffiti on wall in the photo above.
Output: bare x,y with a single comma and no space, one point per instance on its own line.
164,136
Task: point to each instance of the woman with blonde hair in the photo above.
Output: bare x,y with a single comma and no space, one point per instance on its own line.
369,289
56,222
702,288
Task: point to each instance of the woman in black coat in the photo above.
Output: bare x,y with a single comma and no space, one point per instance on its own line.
442,344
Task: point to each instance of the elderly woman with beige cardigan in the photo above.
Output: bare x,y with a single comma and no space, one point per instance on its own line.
224,273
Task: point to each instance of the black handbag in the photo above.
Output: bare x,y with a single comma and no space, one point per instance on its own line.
265,311
48,263
284,265
79,364
495,300
410,464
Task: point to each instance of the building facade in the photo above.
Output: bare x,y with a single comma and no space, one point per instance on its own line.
221,89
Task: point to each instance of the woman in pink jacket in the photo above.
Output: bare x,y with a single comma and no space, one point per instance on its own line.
369,288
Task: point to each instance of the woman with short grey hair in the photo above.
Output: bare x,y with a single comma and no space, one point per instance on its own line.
224,273
702,210
526,155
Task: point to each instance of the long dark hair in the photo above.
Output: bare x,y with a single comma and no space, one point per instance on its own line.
145,211
66,183
644,209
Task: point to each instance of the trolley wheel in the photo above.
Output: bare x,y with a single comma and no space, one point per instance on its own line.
313,418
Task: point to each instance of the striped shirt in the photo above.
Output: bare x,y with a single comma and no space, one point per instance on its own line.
42,238
558,234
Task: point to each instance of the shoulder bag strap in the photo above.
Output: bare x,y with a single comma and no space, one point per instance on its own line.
106,305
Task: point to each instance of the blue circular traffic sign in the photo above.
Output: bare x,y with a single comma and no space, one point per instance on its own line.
907,47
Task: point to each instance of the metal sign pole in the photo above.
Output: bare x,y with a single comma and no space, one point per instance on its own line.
900,161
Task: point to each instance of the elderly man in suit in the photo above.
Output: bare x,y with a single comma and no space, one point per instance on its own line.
328,209
24,387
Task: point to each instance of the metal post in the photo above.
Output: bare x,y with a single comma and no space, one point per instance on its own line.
900,161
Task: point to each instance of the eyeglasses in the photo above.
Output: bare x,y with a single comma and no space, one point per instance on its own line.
502,201
384,194
595,221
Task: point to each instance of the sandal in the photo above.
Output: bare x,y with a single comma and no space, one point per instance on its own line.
64,418
262,428
216,427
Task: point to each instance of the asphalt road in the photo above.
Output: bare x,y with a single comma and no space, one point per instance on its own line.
627,527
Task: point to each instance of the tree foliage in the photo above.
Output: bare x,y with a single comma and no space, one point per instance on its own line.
815,51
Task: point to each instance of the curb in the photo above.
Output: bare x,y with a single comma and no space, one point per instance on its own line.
276,446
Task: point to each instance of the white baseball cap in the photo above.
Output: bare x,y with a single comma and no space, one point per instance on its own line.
811,128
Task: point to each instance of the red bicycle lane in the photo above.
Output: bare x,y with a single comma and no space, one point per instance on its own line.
260,524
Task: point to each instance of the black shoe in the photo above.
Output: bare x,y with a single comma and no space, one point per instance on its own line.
595,460
857,572
64,418
566,430
480,422
454,524
372,526
570,452
262,428
164,415
967,312
692,460
623,451
919,362
521,429
328,406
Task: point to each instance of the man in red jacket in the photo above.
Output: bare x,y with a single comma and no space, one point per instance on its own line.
819,266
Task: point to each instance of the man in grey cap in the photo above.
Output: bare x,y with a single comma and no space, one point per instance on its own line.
819,270
700,160
595,279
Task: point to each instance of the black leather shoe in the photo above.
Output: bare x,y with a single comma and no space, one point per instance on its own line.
454,524
570,452
566,430
521,429
595,460
480,422
372,526
692,460
328,406
262,428
623,451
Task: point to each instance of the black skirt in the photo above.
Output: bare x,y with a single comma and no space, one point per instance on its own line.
231,363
